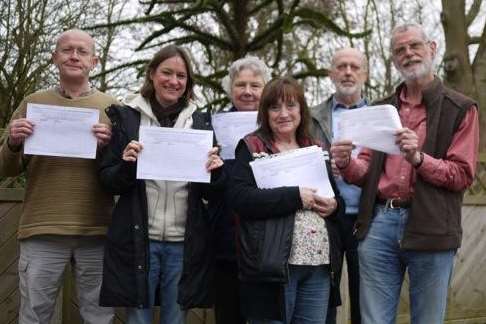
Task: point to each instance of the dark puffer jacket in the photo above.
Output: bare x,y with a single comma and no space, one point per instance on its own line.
266,219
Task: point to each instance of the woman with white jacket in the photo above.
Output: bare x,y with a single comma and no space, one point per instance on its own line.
144,250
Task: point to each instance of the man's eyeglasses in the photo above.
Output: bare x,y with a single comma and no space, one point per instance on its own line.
71,50
414,46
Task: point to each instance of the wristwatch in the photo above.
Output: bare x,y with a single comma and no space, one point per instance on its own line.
420,162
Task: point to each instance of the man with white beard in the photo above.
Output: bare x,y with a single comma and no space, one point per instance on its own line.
348,74
410,207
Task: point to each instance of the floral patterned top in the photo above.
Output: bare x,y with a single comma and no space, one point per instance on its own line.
310,243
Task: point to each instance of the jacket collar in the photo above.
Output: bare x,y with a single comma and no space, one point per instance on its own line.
323,115
432,99
430,94
142,105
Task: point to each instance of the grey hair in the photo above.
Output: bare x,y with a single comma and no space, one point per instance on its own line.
405,27
248,62
361,55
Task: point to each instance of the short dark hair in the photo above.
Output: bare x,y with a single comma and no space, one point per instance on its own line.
283,88
166,52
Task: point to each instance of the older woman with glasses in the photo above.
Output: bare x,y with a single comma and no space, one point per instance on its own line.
244,85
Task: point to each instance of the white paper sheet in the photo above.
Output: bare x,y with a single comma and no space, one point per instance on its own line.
373,127
61,131
305,167
174,154
230,127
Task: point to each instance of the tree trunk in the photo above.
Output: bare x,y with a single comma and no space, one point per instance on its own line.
460,73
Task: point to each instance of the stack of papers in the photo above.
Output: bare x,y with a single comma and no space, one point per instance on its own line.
304,167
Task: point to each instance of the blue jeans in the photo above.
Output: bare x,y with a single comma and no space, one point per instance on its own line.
165,270
306,295
382,268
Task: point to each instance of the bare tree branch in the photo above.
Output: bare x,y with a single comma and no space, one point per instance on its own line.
473,12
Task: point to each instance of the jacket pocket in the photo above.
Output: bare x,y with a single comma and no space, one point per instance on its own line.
152,204
426,217
275,248
180,208
251,240
23,265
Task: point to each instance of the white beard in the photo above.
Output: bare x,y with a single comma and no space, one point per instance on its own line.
347,91
418,70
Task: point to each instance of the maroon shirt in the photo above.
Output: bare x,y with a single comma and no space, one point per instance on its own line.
455,172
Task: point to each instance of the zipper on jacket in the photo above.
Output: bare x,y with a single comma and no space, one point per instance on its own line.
288,271
290,249
331,269
164,227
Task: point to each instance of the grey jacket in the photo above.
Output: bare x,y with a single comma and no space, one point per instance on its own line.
321,127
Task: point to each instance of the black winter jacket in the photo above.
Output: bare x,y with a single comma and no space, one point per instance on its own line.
266,219
126,258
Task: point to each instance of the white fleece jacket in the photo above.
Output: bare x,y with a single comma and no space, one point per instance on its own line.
167,200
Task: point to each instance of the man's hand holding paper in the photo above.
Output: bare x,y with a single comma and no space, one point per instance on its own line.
408,142
374,127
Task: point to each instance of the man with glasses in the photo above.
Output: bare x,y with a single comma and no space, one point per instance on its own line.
65,213
349,71
410,208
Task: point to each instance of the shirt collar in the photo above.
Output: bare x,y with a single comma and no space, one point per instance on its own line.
404,100
63,93
336,105
403,95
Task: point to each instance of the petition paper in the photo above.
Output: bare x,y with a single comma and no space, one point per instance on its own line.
174,154
61,131
230,127
304,167
373,127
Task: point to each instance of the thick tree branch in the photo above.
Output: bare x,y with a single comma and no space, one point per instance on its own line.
473,12
126,22
481,52
259,7
473,40
309,15
226,22
120,67
267,36
172,23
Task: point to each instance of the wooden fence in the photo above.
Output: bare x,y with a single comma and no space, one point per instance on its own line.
466,301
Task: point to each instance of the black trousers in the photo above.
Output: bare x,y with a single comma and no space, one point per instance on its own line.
227,294
350,250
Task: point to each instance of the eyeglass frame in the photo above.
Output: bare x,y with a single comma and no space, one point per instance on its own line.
414,46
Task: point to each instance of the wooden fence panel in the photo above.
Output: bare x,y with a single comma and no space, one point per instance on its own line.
466,304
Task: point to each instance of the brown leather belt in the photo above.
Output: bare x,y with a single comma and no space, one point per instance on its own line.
394,203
